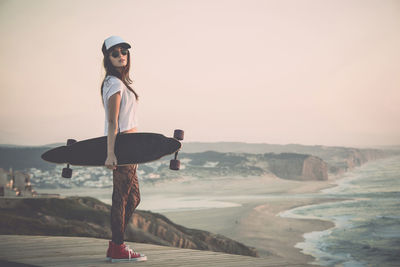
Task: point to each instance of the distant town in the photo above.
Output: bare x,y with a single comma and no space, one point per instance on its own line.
18,184
15,183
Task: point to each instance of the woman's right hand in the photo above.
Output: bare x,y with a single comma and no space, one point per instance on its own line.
111,161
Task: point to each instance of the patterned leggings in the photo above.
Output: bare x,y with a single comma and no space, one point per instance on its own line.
125,199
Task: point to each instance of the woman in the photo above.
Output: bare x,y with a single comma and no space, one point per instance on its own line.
120,105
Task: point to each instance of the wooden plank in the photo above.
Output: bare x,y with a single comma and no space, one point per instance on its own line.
81,251
54,245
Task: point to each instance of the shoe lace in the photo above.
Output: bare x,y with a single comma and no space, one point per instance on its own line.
130,251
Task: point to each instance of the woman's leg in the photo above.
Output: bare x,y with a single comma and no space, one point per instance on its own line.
134,194
121,190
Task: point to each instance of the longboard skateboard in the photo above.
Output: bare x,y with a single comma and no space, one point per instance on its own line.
131,148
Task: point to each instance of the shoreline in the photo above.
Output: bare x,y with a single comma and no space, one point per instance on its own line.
314,235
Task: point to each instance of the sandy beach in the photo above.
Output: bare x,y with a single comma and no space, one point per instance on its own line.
256,221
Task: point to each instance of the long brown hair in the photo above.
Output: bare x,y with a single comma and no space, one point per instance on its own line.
123,75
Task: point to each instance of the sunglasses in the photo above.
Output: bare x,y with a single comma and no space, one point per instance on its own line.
115,53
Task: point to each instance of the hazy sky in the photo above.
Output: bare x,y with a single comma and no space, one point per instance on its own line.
307,72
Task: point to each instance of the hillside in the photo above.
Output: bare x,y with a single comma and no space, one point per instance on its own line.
85,216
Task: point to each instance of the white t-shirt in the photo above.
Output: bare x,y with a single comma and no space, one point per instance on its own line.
127,118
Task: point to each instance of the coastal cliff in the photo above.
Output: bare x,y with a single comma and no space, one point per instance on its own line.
297,166
85,216
306,163
344,159
285,165
335,160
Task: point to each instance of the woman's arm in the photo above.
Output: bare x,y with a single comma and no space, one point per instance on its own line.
113,112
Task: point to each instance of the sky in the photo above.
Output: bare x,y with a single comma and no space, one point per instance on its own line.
312,72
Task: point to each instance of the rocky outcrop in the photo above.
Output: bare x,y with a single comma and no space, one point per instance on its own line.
357,157
146,224
346,159
314,168
297,166
84,216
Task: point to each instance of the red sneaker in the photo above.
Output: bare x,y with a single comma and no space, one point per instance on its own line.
124,253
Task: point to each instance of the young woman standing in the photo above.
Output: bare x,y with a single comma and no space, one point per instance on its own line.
120,105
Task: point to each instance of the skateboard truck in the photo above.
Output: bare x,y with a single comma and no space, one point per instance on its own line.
175,164
67,172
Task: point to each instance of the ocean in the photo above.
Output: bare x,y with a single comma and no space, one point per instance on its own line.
367,221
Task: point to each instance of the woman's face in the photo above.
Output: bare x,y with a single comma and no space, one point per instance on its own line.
119,57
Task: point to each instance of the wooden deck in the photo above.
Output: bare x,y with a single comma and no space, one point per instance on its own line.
18,250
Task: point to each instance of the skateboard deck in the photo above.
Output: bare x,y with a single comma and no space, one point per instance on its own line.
131,148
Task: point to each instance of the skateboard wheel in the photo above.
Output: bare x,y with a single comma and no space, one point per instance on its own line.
178,134
174,164
70,142
67,173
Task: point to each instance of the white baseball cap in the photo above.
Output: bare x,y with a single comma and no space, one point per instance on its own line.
113,41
